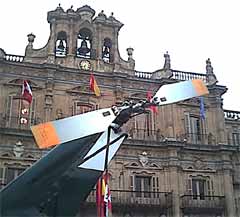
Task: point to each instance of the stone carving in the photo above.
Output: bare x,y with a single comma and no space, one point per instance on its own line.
167,63
143,159
18,149
211,77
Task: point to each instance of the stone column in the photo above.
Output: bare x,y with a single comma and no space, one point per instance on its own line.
229,194
49,95
228,185
173,170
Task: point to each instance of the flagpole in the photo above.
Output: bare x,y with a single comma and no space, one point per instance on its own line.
107,149
106,166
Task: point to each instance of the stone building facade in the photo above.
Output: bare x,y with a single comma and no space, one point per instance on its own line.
174,163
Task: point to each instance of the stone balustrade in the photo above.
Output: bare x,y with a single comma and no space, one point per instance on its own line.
232,115
184,76
14,58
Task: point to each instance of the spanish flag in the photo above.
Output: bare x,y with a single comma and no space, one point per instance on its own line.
103,197
93,85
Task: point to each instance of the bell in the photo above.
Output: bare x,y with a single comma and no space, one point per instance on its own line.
61,45
83,49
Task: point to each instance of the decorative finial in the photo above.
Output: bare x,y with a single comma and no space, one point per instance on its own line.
101,14
112,14
59,5
31,38
211,77
71,6
167,63
130,53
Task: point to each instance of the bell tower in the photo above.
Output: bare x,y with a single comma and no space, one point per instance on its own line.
77,35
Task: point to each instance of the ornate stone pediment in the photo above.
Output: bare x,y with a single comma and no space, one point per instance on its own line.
19,82
80,90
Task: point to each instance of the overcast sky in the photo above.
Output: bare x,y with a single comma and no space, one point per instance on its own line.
190,30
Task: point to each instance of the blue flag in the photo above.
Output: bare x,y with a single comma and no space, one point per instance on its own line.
202,109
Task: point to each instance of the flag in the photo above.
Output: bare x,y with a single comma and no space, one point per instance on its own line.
99,198
25,103
202,109
149,97
103,197
26,92
93,85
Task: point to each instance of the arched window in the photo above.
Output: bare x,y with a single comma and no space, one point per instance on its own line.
106,50
61,44
84,43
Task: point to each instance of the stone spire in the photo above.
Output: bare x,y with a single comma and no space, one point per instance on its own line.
211,77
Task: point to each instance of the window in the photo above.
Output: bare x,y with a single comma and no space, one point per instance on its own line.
143,126
193,128
12,173
200,188
144,186
2,175
7,174
235,138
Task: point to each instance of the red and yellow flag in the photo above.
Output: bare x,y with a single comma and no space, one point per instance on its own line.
103,196
149,97
93,85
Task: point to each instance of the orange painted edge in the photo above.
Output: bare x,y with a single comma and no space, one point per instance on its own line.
200,87
45,135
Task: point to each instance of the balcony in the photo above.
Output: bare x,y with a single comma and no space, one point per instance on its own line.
201,139
204,204
184,76
144,134
14,122
143,199
154,135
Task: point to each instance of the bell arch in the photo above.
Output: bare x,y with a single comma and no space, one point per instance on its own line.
107,50
84,43
61,44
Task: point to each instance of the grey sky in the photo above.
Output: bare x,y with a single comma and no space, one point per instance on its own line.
190,30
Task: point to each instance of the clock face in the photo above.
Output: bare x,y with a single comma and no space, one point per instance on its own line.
85,65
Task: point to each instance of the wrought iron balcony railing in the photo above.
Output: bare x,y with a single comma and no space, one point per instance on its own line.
206,203
154,135
144,134
195,138
14,122
137,198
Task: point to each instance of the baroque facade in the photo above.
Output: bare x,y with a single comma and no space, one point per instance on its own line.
174,163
